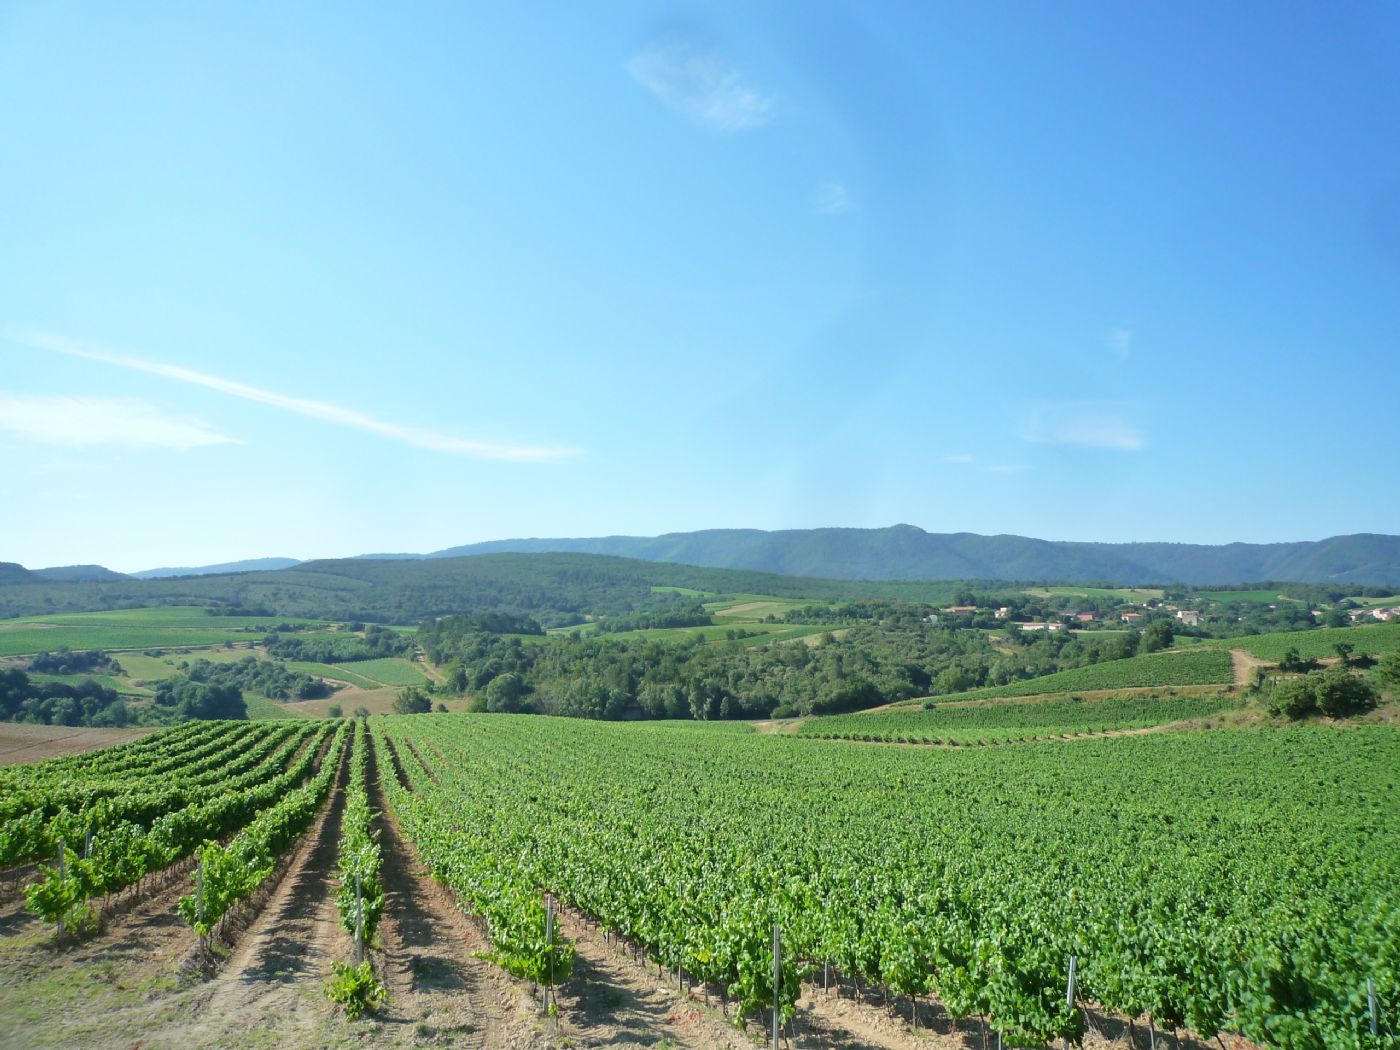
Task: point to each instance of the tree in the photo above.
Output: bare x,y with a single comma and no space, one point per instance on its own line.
413,700
1158,635
1344,650
362,712
506,693
335,711
1293,697
1341,693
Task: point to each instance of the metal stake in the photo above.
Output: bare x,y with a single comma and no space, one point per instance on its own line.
777,979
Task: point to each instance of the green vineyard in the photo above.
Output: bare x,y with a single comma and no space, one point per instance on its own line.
1008,720
1154,670
1258,899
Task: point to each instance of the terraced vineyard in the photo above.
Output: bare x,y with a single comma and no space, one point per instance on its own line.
1011,720
1153,670
1375,640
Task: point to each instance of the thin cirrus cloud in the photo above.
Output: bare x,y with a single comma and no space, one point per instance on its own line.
958,457
82,422
832,198
1086,425
1120,341
417,437
701,86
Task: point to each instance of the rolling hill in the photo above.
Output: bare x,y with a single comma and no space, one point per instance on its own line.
905,552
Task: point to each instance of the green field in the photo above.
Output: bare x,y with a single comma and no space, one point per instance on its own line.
340,672
1008,720
1171,668
390,670
164,616
18,639
122,685
1376,640
687,592
260,707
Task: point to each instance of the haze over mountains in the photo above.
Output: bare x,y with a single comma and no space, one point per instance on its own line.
905,552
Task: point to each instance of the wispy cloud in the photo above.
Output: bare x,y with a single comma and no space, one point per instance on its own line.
1120,341
80,422
701,86
1088,424
832,198
1009,468
418,437
958,457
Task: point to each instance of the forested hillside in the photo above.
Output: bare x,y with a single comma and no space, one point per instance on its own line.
905,552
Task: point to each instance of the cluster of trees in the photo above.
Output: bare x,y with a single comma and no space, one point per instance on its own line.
64,660
652,619
58,703
267,677
184,699
332,649
1335,692
886,653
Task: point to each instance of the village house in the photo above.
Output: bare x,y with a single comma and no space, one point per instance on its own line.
1190,617
1084,617
1130,617
1040,625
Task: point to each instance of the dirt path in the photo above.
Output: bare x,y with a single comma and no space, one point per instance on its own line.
1244,663
439,991
268,991
613,1001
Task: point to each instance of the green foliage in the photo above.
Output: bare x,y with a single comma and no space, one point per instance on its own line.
194,699
232,872
356,988
413,700
970,874
360,897
1334,692
58,703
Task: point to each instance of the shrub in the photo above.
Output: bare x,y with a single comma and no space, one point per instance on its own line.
1341,693
356,988
1293,698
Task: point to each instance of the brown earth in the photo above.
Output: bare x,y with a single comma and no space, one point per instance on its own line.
22,744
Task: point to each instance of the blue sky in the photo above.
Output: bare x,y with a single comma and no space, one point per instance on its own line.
319,280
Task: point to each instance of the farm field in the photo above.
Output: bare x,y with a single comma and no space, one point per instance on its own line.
193,616
386,671
19,638
1375,640
1153,670
487,803
1014,720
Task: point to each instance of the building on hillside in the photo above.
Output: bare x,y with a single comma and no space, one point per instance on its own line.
1130,617
960,609
1387,614
931,618
1004,612
1040,625
1190,617
1084,617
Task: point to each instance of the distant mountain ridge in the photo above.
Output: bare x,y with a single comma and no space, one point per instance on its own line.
903,553
906,552
250,565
